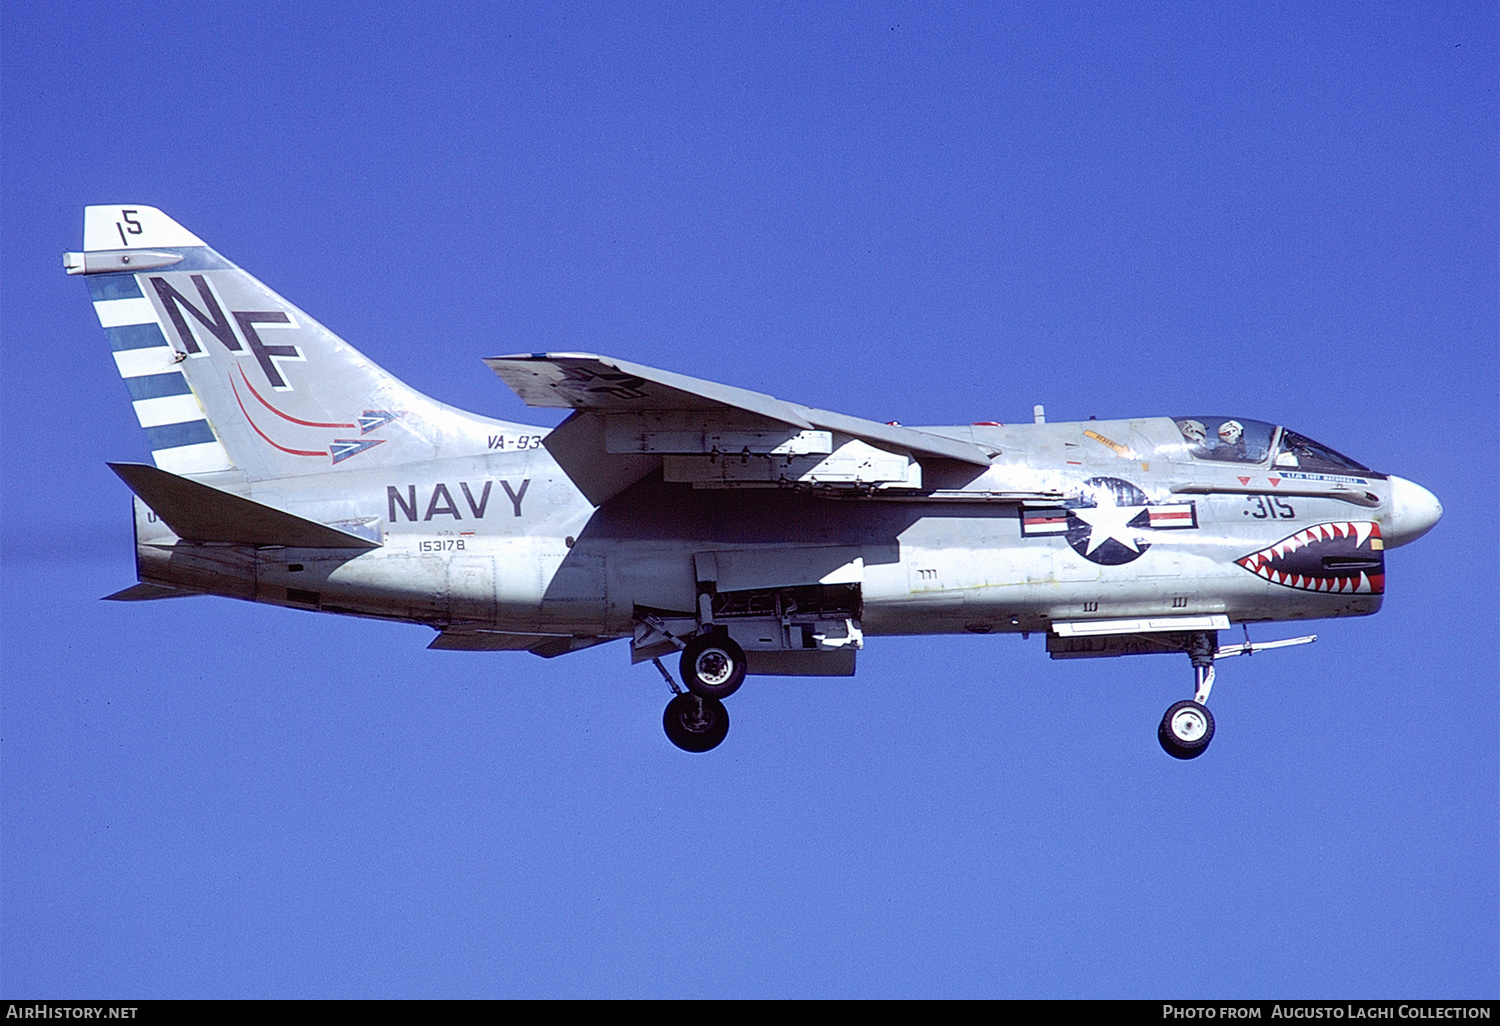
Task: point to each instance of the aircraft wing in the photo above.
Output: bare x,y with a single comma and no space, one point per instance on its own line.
601,384
631,419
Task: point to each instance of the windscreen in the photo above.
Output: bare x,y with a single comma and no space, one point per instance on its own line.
1302,453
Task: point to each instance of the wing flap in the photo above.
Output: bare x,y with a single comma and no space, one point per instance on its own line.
199,512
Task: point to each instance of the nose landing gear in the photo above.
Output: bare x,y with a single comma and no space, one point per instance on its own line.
1188,726
1186,730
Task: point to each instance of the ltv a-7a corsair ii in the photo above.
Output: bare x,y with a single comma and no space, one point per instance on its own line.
752,535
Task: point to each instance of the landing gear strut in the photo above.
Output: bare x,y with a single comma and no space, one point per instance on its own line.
693,722
1188,726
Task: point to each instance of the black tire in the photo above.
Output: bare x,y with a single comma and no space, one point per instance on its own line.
713,666
1186,730
695,724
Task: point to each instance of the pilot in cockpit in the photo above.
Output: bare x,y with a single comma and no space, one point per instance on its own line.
1231,446
1227,440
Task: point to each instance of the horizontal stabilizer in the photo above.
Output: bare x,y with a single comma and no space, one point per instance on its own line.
488,641
544,645
147,592
562,646
199,512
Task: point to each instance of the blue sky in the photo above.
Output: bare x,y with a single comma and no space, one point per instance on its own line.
1280,211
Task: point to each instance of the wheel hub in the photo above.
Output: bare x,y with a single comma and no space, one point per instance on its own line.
696,719
713,667
695,724
1188,725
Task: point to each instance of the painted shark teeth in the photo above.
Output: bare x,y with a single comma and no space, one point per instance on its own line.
1340,557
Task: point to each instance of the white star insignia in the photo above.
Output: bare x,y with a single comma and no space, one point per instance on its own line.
1110,522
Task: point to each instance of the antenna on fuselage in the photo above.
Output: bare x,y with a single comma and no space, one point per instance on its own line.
1039,413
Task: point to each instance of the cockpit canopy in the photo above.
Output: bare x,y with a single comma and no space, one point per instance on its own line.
1240,440
1227,439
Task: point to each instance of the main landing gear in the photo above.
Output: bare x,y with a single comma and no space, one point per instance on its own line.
713,668
695,724
1188,726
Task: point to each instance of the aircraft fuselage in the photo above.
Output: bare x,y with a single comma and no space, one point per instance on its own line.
504,540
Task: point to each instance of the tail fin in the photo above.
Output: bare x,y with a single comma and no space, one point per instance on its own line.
226,375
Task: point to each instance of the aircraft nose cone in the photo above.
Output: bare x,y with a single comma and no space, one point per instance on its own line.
1414,510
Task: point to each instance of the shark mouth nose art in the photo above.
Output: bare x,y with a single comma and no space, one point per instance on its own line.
1346,557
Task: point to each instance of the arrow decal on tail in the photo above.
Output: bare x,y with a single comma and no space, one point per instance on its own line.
342,448
372,420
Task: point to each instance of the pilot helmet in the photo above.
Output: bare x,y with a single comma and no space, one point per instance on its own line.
1193,431
1231,431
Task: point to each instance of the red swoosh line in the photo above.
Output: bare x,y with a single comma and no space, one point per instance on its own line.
283,416
258,431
